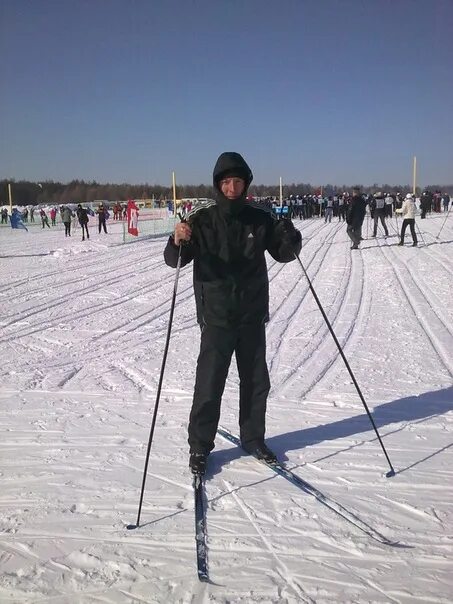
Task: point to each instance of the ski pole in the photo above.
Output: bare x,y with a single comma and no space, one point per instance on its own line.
390,222
395,228
420,233
391,472
159,388
443,224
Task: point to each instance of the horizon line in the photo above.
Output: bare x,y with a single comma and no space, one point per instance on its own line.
147,184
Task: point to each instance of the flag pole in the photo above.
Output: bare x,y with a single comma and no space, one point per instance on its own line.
174,194
414,176
10,199
281,192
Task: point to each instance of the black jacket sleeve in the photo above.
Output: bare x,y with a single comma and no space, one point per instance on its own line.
284,240
171,253
350,213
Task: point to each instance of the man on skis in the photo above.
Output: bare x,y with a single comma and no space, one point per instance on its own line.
227,239
378,206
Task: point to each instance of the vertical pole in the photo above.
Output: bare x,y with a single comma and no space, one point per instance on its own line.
174,194
281,192
10,199
414,176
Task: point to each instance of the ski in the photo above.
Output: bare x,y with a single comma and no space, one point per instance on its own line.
338,508
200,528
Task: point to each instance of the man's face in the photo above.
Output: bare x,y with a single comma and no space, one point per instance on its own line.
232,187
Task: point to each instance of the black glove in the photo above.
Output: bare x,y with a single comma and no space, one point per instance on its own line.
287,231
284,226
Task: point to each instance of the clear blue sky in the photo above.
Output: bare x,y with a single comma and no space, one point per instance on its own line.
317,91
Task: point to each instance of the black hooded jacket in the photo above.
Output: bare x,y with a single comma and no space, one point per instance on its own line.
426,201
229,238
82,215
356,211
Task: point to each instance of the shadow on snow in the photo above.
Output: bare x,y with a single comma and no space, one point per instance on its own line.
409,409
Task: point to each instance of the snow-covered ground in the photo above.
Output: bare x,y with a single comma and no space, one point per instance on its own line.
83,327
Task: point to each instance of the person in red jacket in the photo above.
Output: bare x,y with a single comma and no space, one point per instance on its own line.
44,219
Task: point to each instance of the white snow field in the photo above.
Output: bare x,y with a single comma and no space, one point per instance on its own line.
83,327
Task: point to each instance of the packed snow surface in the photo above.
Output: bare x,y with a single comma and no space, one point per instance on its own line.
83,329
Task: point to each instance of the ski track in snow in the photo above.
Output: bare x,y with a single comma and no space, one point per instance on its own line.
82,338
316,351
436,329
282,569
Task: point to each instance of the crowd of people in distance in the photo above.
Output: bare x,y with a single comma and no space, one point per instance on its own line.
67,216
336,206
352,208
82,214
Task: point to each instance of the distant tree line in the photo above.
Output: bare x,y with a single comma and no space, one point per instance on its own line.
78,191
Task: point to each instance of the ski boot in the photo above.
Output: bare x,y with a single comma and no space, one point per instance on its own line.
198,462
261,451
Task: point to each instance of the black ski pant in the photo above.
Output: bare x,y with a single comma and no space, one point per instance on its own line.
379,214
355,233
248,342
84,226
411,223
67,229
102,225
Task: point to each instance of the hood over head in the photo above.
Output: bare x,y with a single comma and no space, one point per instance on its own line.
231,164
